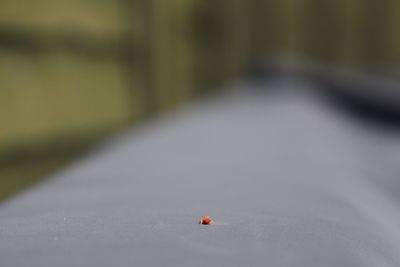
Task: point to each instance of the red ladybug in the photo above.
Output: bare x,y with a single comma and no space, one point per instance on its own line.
206,220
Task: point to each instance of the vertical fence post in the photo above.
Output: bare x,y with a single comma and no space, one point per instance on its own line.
237,26
209,41
294,27
381,34
350,25
137,54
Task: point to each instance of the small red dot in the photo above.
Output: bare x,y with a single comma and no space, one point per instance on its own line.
206,220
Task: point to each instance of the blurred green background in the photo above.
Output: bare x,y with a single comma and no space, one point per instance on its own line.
73,72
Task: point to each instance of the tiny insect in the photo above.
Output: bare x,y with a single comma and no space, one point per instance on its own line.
206,220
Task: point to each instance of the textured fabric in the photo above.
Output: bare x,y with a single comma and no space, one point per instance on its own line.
289,179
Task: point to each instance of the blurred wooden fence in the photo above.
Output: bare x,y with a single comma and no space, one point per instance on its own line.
74,70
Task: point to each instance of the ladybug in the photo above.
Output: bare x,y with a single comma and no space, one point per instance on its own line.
206,220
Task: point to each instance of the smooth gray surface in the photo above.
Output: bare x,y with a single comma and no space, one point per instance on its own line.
289,180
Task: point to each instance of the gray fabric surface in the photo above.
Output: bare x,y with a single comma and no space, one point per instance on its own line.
289,180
